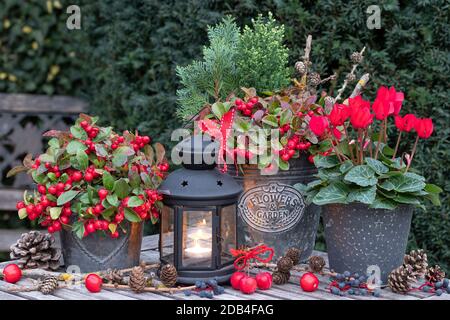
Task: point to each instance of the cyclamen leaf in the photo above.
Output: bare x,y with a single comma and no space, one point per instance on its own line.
382,203
131,216
363,195
135,202
334,193
406,183
345,166
432,188
361,175
326,161
66,197
407,199
377,166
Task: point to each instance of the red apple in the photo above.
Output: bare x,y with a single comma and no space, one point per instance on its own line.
248,285
236,279
309,282
93,283
12,273
264,280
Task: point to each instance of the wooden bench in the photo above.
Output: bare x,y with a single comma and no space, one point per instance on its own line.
23,120
289,291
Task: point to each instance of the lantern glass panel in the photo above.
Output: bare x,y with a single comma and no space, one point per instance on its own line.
197,238
167,233
228,232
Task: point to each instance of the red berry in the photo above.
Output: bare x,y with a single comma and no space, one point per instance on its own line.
12,273
77,176
98,209
52,190
238,102
93,283
309,282
114,146
120,139
90,227
102,193
98,225
146,139
236,279
64,219
20,205
60,186
66,211
56,225
119,217
48,165
115,234
84,124
247,285
104,225
41,189
30,208
38,209
253,100
264,280
291,152
51,229
88,176
285,157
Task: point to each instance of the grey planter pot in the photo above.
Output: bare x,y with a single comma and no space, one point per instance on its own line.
358,237
99,252
272,212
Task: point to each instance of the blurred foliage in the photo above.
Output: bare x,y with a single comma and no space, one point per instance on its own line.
132,48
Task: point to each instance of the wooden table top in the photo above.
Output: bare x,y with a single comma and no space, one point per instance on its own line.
289,291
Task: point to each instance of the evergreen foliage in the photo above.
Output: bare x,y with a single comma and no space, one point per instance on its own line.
262,58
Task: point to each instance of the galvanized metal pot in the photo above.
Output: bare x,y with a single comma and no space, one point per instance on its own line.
358,237
99,252
272,212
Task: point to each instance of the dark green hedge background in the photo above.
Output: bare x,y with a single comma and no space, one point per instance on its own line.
123,60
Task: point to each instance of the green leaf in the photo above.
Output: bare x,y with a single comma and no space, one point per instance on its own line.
46,158
160,152
363,195
135,180
55,212
121,188
78,229
66,197
22,213
271,120
326,161
434,198
285,117
78,132
377,166
146,180
52,176
345,166
242,125
300,187
414,176
135,202
218,109
334,193
406,183
432,188
82,159
108,181
113,200
107,213
103,134
131,216
383,203
361,175
283,165
74,146
329,174
100,150
407,199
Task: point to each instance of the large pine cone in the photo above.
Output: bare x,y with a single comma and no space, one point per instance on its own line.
48,285
400,279
34,250
316,263
168,275
279,277
418,260
137,279
294,255
285,264
314,79
435,274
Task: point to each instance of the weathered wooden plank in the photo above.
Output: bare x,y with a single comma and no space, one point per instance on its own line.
31,103
9,198
33,295
69,294
8,296
444,296
143,295
150,256
104,294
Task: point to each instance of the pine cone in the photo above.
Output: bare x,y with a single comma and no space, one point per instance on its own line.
113,276
400,279
284,264
294,255
314,79
137,279
435,274
48,285
418,260
316,263
356,57
300,67
168,275
34,250
280,277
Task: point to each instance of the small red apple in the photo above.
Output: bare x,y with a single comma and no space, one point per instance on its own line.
248,285
236,279
264,280
309,282
93,283
12,273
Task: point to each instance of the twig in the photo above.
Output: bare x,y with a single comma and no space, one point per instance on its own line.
148,289
307,51
332,77
352,72
360,85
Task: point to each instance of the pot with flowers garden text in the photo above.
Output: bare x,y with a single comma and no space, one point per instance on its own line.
367,192
96,187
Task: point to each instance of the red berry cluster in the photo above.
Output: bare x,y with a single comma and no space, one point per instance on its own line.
140,141
294,143
248,285
246,107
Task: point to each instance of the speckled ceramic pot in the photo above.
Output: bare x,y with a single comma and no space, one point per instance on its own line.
358,237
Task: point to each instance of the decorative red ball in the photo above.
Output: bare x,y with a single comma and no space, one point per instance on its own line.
236,279
247,285
309,282
264,280
12,273
93,283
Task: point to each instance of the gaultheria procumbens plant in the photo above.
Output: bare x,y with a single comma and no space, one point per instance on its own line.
92,179
361,167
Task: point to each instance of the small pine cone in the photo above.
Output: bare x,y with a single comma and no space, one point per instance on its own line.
285,264
356,57
316,263
418,260
350,77
294,255
137,279
300,67
400,279
279,277
168,275
435,274
314,79
113,276
48,285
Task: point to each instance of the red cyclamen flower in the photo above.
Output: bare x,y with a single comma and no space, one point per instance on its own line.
361,118
424,127
381,109
357,103
391,98
339,114
406,123
318,125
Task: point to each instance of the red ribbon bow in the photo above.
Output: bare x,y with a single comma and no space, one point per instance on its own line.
254,253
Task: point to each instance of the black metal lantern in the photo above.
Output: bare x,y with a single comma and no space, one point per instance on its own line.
198,221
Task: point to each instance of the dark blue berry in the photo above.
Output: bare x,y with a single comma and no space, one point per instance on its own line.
335,290
347,274
445,283
187,293
208,294
202,294
363,292
356,275
439,292
356,283
220,290
377,293
212,283
362,279
351,291
341,285
438,284
426,288
448,289
198,284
